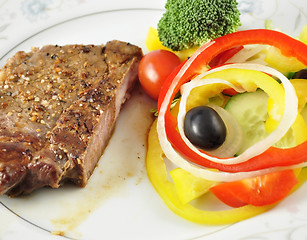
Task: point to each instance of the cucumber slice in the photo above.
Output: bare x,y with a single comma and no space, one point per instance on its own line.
251,111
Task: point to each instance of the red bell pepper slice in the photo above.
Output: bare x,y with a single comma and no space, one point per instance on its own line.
258,191
273,156
224,56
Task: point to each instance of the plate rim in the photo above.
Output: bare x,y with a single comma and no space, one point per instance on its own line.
76,18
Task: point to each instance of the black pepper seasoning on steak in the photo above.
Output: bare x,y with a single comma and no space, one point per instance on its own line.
58,107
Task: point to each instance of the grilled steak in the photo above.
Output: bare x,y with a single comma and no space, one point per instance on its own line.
58,107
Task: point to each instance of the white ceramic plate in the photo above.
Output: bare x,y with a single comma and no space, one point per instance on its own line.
119,202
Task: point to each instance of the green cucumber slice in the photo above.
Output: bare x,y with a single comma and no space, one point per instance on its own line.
251,111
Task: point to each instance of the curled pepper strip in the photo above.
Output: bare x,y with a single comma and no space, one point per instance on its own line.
157,174
249,80
270,158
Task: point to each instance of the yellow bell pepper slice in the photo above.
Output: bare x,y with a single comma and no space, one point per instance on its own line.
296,135
152,40
249,80
153,43
300,86
303,35
157,174
282,63
188,186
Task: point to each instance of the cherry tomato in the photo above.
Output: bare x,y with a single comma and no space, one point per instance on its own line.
154,68
258,191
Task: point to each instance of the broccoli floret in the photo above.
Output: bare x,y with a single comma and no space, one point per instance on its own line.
188,23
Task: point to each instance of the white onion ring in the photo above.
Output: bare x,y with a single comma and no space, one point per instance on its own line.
221,176
287,120
234,139
246,53
185,91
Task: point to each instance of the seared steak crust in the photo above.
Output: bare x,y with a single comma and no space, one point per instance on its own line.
58,107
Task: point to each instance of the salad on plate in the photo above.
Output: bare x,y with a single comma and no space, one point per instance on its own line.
231,118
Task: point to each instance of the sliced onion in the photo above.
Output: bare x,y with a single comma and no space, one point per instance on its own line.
234,138
231,177
246,53
234,132
165,144
287,120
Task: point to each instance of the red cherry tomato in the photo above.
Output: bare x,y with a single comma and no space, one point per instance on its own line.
154,68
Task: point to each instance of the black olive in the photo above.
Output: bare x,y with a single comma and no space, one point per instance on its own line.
302,74
204,127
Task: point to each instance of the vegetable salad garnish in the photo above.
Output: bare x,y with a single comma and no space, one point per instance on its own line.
186,24
237,131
